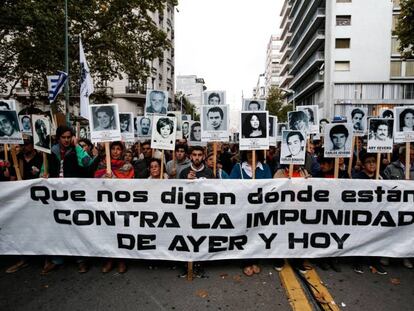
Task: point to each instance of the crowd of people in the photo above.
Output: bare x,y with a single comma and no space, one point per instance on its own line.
79,158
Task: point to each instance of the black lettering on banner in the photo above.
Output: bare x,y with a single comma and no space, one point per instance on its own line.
384,219
178,244
268,240
394,196
127,215
304,240
144,242
149,218
193,200
126,241
238,242
101,193
215,243
307,221
222,221
77,217
58,219
101,215
122,196
168,220
42,197
348,196
288,215
403,221
365,196
140,196
340,240
259,219
256,198
317,240
320,240
196,242
356,219
336,219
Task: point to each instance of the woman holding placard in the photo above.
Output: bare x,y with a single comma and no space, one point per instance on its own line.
155,169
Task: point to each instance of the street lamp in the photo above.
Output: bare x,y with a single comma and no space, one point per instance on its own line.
290,91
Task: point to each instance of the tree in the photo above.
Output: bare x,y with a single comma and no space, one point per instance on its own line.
119,37
276,106
405,28
187,106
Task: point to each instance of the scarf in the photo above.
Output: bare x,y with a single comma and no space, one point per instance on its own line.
119,169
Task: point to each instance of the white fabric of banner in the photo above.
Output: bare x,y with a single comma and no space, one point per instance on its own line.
207,219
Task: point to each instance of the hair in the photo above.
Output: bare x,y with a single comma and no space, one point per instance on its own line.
254,102
10,118
63,129
124,117
107,109
193,126
247,127
39,123
197,148
4,104
322,159
244,153
402,116
163,122
155,160
310,112
144,118
181,146
367,155
157,92
212,95
86,141
25,117
338,129
216,109
117,143
293,133
378,123
296,116
355,111
323,120
388,114
147,142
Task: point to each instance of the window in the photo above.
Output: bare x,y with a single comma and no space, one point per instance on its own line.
342,65
394,22
409,91
343,20
342,43
396,68
395,44
343,1
409,69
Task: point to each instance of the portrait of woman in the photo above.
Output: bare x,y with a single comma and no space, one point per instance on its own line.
253,126
125,122
407,120
164,131
298,121
195,133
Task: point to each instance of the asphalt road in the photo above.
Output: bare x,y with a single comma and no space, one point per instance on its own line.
226,288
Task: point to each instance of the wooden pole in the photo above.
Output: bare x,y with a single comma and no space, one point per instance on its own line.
189,271
45,164
108,158
407,161
265,155
215,159
357,148
336,168
77,130
6,152
162,165
15,162
377,171
253,164
290,170
351,158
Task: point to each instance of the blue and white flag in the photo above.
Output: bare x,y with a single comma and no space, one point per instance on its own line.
55,84
86,88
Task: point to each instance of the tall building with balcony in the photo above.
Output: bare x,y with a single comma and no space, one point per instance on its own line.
259,91
343,52
272,69
192,88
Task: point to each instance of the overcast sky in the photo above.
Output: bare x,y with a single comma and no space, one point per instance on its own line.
225,42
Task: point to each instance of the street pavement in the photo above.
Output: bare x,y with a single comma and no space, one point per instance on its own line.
226,288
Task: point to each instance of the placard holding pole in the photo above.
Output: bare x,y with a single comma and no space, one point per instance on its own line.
45,164
407,161
351,157
215,159
253,164
377,171
108,158
6,152
336,168
162,165
290,170
15,162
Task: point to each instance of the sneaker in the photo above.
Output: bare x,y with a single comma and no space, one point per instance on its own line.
358,268
378,269
385,261
83,267
17,266
301,268
407,263
198,272
279,264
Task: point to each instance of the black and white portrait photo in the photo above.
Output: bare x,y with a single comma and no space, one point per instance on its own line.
195,134
272,130
338,140
251,104
404,124
280,128
298,121
254,130
214,98
41,133
380,138
83,132
7,104
293,147
104,123
386,113
26,124
177,114
163,133
126,125
214,123
313,117
322,124
156,102
143,127
185,128
10,128
358,117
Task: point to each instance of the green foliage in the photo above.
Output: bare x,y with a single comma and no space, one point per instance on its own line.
188,107
118,37
405,28
275,104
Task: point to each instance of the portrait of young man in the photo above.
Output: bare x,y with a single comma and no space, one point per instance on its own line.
215,119
26,124
380,135
251,104
9,128
358,118
142,126
338,140
156,102
214,98
293,147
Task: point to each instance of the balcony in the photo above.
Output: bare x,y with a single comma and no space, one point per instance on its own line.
285,31
296,4
285,55
107,90
285,67
311,64
306,51
284,81
312,83
313,24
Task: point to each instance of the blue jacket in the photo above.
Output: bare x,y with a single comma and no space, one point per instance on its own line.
238,173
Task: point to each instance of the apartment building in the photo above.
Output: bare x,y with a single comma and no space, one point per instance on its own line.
343,52
272,70
192,88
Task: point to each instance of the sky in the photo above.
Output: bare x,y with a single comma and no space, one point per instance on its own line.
224,42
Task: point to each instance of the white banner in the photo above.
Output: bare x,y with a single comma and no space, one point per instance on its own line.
207,219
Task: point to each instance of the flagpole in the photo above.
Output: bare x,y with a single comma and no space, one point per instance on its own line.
67,64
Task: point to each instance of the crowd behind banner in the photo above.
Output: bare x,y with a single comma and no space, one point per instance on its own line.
160,145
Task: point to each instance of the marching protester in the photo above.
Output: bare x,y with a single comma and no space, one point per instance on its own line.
155,170
174,167
220,173
141,166
67,159
244,170
122,170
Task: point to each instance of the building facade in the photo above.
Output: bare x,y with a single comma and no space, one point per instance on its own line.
272,70
343,52
192,88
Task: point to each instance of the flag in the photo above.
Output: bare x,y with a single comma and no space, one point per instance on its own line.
55,84
86,88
